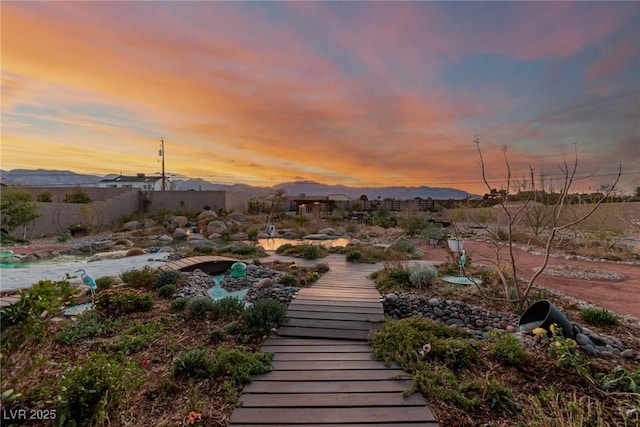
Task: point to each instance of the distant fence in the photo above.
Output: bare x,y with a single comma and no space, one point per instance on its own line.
109,205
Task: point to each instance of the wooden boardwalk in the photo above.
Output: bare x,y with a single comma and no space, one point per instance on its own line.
208,264
323,373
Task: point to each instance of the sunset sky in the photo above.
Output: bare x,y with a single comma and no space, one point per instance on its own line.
353,93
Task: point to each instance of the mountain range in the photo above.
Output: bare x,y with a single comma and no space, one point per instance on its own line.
58,178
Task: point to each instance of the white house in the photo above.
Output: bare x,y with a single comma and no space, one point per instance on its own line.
141,181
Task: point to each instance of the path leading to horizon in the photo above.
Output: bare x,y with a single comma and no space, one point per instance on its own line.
323,372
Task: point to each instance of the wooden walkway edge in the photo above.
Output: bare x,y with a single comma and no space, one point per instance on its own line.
323,373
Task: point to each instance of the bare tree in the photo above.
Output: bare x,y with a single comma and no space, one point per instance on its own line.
516,291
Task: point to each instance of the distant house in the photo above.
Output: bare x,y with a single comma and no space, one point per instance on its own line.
140,181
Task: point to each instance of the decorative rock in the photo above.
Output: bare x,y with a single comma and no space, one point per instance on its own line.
590,350
317,236
206,216
149,223
391,297
263,283
452,322
181,220
218,227
180,233
131,225
237,217
11,260
511,328
627,354
46,254
101,245
583,340
329,231
195,236
165,238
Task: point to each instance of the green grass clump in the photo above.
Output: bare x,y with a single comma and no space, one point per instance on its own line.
198,307
137,338
238,364
288,279
96,391
599,317
228,308
105,282
263,315
179,304
217,335
169,277
144,278
167,291
391,278
302,251
505,347
118,301
193,364
88,325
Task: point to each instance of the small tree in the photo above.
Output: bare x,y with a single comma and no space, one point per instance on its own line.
502,237
17,210
44,197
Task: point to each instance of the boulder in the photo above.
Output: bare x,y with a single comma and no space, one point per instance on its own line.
165,238
263,283
636,251
195,236
317,236
131,225
10,260
237,217
181,220
180,233
330,232
216,227
102,245
206,216
149,223
46,254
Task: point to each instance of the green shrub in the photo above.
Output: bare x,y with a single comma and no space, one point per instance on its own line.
244,250
422,276
193,364
169,277
252,234
355,256
77,195
44,197
199,306
288,280
505,347
145,278
105,282
228,308
95,391
263,315
599,317
88,325
179,304
137,338
399,275
217,335
238,364
167,291
310,252
402,246
24,320
205,250
114,302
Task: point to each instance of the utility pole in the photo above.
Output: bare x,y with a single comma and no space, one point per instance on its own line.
164,179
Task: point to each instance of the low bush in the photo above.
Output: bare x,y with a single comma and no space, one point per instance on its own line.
239,364
144,278
263,315
114,302
167,291
228,308
137,338
422,276
198,307
105,282
217,335
505,347
599,317
355,256
193,364
288,280
179,304
169,277
310,252
95,392
88,325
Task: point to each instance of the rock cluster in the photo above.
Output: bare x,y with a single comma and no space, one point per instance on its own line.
198,285
254,275
278,292
476,319
479,321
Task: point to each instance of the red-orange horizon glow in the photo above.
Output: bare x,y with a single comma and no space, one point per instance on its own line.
359,94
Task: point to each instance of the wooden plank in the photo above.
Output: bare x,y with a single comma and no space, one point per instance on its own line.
333,324
332,415
327,333
350,348
365,293
334,309
363,317
326,365
381,424
276,340
321,356
309,301
342,375
258,386
319,400
301,297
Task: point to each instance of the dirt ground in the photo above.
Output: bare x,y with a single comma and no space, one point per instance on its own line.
622,297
